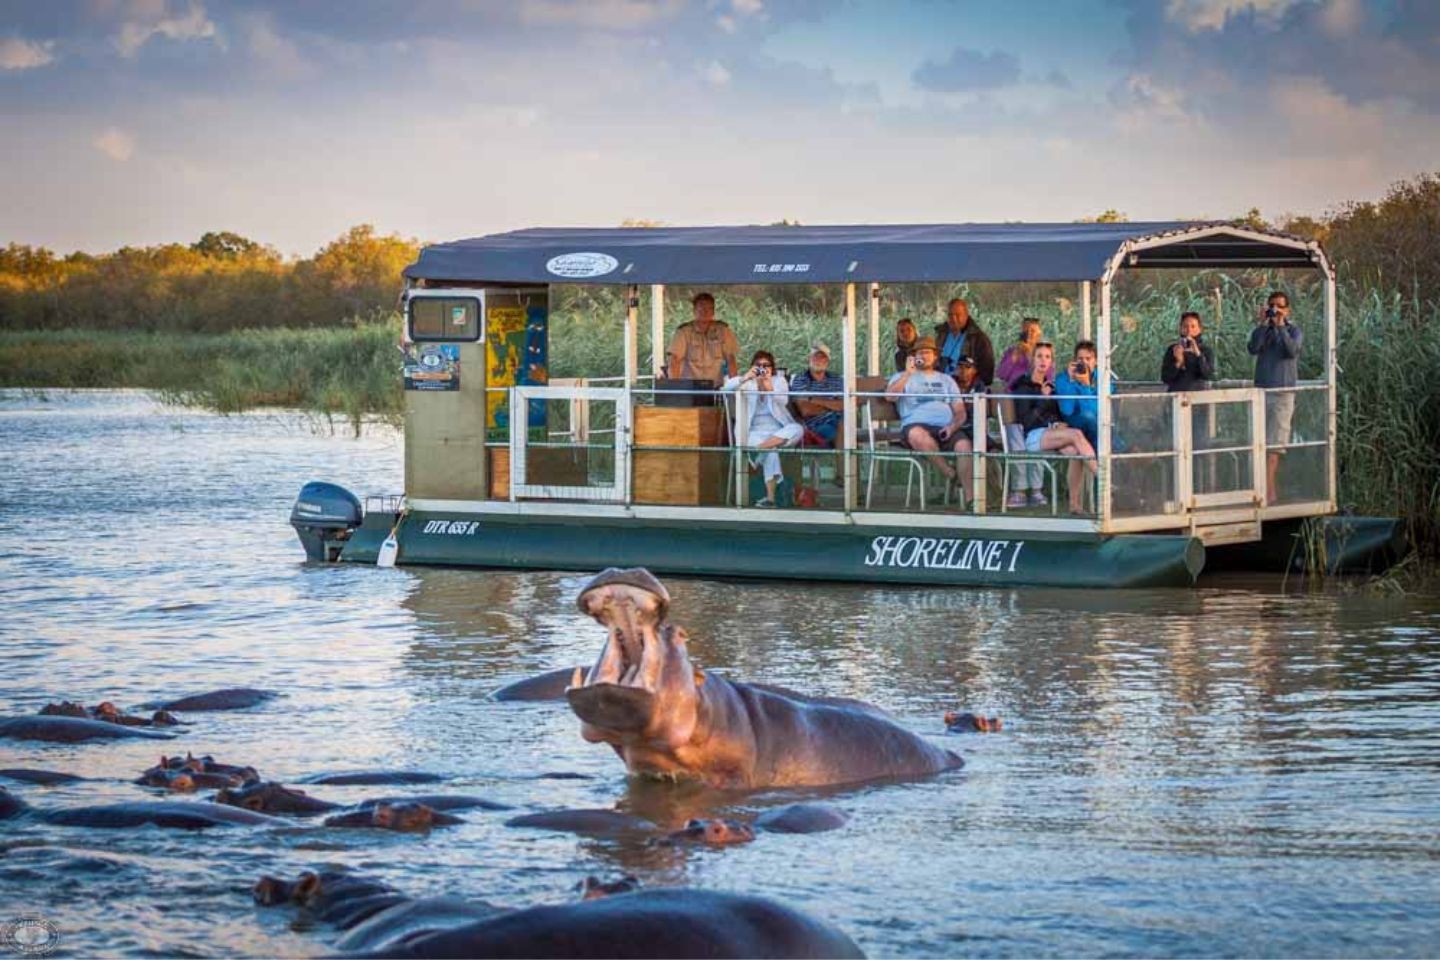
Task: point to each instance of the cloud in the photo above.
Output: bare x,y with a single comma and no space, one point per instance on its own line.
1196,15
20,54
747,8
1058,78
716,75
115,144
193,24
968,70
599,14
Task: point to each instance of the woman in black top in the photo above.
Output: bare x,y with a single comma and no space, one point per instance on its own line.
1189,363
1039,416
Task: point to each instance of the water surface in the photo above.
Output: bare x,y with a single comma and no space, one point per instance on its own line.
1220,771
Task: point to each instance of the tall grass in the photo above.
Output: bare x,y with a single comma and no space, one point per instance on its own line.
350,372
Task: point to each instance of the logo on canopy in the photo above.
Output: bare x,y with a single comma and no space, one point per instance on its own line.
579,265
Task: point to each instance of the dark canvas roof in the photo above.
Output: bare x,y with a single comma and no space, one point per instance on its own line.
837,254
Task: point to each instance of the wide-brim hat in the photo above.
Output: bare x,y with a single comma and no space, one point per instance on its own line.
924,343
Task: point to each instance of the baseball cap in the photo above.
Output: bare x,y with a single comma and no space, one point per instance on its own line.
819,347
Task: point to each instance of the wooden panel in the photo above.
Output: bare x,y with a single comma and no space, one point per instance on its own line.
499,458
680,477
678,426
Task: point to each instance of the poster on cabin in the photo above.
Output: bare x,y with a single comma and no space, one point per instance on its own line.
516,349
432,366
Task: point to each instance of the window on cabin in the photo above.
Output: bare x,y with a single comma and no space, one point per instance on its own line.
444,318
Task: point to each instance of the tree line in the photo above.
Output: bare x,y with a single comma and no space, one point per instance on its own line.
221,282
224,281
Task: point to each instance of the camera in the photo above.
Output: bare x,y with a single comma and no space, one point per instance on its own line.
1081,369
1187,342
1271,313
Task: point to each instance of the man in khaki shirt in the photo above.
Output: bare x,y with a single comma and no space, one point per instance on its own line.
699,347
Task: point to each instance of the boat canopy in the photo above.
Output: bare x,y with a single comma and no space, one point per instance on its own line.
849,254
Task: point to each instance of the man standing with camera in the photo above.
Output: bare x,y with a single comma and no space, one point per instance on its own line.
1189,363
1275,345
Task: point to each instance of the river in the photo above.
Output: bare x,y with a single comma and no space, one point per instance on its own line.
1223,771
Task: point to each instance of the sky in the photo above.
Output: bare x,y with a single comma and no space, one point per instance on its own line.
150,121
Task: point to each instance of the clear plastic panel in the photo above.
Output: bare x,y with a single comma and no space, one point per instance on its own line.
1144,464
1304,450
1221,439
570,450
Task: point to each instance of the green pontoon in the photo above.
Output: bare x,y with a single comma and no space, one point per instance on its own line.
508,468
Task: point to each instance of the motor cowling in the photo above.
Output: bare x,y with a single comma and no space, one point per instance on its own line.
324,516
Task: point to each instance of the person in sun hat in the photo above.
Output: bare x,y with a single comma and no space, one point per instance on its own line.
820,414
933,417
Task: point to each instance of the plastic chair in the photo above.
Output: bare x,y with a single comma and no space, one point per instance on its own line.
878,410
1010,463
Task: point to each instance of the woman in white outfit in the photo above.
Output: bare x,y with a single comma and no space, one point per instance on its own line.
771,424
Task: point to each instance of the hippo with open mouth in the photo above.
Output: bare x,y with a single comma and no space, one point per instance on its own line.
665,718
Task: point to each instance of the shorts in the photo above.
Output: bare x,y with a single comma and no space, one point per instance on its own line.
933,431
1279,411
826,425
1033,438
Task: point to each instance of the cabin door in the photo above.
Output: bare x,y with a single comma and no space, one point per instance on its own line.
1220,434
578,447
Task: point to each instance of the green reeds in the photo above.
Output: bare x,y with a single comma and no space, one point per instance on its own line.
351,372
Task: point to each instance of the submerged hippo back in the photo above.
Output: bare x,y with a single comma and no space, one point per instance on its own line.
655,923
817,743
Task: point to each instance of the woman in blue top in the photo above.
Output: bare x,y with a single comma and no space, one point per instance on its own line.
1039,414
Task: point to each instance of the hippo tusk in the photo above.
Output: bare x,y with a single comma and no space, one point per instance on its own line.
577,679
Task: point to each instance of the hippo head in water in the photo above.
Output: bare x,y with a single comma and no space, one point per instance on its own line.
642,689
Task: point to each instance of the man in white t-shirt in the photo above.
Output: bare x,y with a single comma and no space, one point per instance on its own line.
932,414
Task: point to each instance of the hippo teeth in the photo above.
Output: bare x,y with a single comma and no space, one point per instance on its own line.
577,679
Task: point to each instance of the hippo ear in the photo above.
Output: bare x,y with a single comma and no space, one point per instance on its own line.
307,887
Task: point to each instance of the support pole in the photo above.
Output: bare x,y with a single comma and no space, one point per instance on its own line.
1085,311
874,369
1102,398
1331,419
632,326
847,340
657,329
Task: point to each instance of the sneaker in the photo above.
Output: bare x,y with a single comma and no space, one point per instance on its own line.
1038,499
1017,499
765,503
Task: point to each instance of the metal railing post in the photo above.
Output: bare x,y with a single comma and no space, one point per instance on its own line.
1104,414
979,441
848,420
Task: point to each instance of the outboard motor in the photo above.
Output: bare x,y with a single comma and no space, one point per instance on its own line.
324,516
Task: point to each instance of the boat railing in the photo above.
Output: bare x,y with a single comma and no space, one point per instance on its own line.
1174,459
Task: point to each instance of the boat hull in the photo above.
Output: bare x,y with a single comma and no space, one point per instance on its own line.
899,555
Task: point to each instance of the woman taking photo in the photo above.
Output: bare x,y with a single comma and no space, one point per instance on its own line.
771,424
1038,415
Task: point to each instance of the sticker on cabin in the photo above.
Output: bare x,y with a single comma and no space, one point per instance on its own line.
432,366
579,266
945,553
